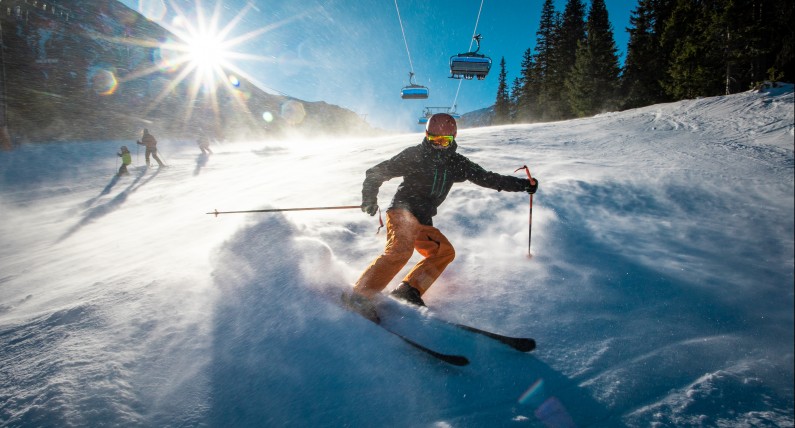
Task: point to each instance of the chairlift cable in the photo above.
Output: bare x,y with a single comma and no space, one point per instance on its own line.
474,34
475,31
411,65
413,91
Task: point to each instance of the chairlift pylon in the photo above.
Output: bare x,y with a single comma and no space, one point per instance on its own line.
413,91
470,64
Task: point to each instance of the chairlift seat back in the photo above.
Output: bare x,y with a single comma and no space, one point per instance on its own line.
414,92
468,66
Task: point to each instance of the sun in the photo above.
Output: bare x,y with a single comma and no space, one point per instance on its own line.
204,53
203,50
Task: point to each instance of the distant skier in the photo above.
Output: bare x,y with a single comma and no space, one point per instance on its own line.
429,171
204,144
150,142
126,159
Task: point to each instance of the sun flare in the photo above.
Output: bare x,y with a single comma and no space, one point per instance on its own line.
204,52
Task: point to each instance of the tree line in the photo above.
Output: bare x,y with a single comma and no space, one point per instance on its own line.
677,49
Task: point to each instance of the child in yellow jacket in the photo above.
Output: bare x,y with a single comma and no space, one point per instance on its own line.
126,159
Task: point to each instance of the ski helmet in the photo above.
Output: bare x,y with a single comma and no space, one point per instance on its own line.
441,124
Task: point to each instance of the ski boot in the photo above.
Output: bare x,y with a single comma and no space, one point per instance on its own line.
408,294
355,302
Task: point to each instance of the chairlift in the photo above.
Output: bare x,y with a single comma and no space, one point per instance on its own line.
470,64
413,91
430,111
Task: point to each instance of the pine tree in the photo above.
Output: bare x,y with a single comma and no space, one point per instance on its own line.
527,96
515,92
542,69
723,46
572,31
780,37
751,37
696,64
602,45
592,85
502,106
640,82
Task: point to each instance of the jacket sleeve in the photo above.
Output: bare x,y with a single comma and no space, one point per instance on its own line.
492,180
384,171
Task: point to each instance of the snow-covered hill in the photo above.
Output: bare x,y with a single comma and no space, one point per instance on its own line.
660,291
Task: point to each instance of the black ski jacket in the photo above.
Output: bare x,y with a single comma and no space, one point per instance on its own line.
428,174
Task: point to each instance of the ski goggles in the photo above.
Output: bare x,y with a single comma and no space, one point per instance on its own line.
440,140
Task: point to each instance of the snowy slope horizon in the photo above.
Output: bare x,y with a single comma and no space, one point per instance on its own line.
660,291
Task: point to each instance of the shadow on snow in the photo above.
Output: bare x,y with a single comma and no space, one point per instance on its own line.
285,353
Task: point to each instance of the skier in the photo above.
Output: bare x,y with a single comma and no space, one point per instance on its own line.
126,159
204,144
150,142
429,171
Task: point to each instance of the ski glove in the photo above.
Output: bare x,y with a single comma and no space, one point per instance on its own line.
530,188
370,208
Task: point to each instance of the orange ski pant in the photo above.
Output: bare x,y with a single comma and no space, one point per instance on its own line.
404,235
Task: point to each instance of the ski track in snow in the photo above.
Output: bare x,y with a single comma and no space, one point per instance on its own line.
660,291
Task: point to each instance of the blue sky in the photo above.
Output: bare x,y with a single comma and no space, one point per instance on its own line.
352,53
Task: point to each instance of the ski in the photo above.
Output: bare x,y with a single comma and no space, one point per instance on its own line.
456,360
523,344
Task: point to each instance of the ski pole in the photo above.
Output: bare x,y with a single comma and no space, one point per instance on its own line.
530,221
274,210
162,156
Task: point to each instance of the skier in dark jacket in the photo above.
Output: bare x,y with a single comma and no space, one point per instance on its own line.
150,142
429,171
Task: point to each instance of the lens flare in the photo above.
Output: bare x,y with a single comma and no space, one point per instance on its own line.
293,112
202,53
534,395
103,82
166,57
153,9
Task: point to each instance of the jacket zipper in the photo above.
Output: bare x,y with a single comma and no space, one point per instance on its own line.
441,187
435,176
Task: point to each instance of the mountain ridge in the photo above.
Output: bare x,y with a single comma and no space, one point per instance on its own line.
96,71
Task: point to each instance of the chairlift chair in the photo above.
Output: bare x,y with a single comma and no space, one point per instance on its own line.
430,111
427,112
413,91
470,64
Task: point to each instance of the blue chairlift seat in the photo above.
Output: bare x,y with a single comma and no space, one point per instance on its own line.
414,92
469,65
430,111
